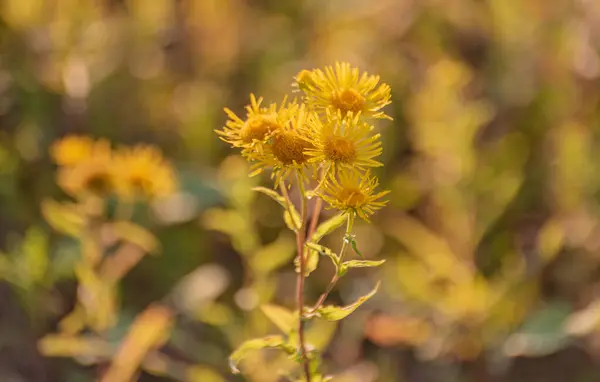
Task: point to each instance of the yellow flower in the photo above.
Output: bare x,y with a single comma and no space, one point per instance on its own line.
344,142
259,124
343,91
142,171
353,192
285,149
93,175
74,149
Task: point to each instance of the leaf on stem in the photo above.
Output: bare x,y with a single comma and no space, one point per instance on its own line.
359,264
149,331
336,313
137,235
312,261
65,218
328,227
350,239
322,250
268,342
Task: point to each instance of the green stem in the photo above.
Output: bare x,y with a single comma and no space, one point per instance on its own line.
300,238
336,276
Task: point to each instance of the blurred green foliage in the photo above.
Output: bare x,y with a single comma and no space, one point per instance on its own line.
491,240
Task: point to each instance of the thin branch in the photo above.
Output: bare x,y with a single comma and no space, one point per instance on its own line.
300,237
336,276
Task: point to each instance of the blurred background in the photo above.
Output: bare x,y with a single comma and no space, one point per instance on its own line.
492,234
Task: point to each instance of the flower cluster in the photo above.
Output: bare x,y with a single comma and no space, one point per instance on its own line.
327,132
90,167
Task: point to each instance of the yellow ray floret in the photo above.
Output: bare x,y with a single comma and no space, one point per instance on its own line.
92,175
352,192
346,142
343,90
259,124
74,149
142,171
285,150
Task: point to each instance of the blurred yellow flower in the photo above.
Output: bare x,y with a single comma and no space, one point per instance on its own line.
142,171
285,149
342,91
259,124
353,192
93,175
347,143
74,149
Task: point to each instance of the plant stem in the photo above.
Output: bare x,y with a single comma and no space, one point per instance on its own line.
315,217
314,220
300,238
336,276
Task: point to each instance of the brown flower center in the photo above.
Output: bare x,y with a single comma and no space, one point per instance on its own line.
352,197
288,147
258,127
142,184
348,100
99,183
339,149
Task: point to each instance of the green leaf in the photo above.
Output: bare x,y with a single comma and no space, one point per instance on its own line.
268,342
322,250
137,235
359,264
350,239
65,218
312,261
328,227
293,222
282,318
272,194
336,313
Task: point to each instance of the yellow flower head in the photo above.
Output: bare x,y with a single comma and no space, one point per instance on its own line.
142,171
93,175
353,192
342,91
259,124
285,149
74,149
346,142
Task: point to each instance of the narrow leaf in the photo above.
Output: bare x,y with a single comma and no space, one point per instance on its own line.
65,345
360,264
322,250
292,222
352,242
336,313
63,217
149,331
272,342
328,227
136,235
272,194
282,318
312,261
